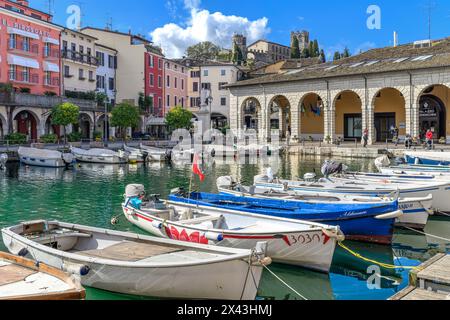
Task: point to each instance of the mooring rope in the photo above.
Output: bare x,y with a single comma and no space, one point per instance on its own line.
283,282
381,264
428,235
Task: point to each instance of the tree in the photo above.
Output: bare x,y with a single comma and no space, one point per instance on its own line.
145,103
237,56
322,56
316,49
305,53
311,49
125,116
295,49
337,56
203,51
179,118
346,53
65,114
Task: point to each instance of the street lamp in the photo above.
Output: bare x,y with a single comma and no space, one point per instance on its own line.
210,100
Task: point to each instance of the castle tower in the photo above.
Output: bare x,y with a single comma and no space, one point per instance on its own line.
302,37
241,42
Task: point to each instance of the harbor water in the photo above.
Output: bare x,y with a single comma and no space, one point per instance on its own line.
91,194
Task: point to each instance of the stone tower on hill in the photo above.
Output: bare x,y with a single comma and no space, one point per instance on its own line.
241,42
303,38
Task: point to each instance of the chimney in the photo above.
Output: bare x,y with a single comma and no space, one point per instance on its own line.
23,2
395,39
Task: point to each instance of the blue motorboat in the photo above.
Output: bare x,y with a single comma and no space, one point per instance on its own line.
359,221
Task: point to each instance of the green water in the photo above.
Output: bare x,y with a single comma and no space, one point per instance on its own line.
91,195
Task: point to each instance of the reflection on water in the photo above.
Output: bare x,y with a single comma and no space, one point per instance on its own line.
91,194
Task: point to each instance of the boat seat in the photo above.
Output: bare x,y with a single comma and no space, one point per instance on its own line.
200,220
130,251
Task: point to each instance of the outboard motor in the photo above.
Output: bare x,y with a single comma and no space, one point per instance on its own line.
332,167
169,155
68,159
3,161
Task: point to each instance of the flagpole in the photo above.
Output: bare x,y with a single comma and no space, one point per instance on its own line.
191,180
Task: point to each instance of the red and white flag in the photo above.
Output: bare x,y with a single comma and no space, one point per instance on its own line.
196,169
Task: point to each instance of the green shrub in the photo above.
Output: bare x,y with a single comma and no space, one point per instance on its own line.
25,90
49,138
74,137
80,95
97,135
6,87
49,93
16,138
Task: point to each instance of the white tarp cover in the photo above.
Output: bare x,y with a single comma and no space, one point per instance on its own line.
42,154
156,122
48,66
95,152
51,40
23,33
22,61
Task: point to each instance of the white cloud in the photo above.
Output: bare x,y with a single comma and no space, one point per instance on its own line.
203,25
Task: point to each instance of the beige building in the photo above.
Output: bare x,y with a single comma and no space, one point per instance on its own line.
78,61
131,54
406,86
268,52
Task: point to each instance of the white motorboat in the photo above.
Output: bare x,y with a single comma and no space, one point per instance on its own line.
384,166
428,157
105,156
416,211
44,157
440,190
135,154
24,279
140,265
3,161
155,154
220,151
300,243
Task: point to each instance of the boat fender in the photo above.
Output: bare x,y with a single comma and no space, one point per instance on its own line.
266,261
334,234
23,252
390,215
214,236
157,224
79,270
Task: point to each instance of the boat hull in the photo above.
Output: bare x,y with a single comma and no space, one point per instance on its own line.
100,159
308,249
230,280
46,163
428,158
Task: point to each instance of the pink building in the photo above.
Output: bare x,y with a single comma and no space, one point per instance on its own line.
175,85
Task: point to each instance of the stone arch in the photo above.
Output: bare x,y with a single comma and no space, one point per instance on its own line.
28,122
348,115
388,109
85,125
100,122
49,128
433,102
280,115
312,115
3,127
251,116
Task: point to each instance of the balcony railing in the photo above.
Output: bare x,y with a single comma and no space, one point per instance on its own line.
51,53
79,57
52,82
23,47
23,77
38,101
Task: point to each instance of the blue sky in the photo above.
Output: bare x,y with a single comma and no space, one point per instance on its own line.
175,24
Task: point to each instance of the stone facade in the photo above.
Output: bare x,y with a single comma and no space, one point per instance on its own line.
410,84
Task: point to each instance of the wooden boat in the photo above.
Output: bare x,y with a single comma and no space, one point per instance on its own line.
359,222
155,154
3,160
140,265
44,158
428,158
419,171
440,190
300,243
135,154
105,156
23,279
416,211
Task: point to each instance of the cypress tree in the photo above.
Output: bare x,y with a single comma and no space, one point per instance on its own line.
337,56
316,48
305,53
322,56
311,50
295,49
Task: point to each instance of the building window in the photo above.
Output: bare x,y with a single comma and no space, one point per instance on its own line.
223,72
159,82
176,83
168,82
91,75
12,72
182,84
101,58
168,100
182,69
182,102
152,80
111,62
151,62
100,82
159,64
222,84
67,71
81,74
223,101
175,101
48,78
195,87
111,84
205,73
159,102
195,74
81,49
206,86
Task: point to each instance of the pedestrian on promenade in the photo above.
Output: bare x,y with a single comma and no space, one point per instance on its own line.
396,135
366,137
408,141
429,138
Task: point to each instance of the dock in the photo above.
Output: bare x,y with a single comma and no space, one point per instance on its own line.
430,281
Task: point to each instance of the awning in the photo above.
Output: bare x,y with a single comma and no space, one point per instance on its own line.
156,122
22,61
51,67
23,33
51,40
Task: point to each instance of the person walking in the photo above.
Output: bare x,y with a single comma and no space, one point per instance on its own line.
366,137
396,135
408,142
429,138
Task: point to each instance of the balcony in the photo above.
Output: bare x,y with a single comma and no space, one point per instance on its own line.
23,77
51,82
37,101
51,53
79,57
23,47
